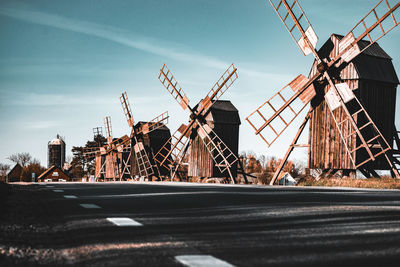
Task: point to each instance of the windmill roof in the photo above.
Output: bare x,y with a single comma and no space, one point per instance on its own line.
374,50
17,168
372,64
140,123
52,168
56,141
223,111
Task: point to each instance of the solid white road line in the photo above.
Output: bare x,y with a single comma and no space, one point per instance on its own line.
90,206
120,221
70,196
201,260
58,190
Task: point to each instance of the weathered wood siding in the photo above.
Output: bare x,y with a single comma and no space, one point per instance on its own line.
225,122
326,148
200,161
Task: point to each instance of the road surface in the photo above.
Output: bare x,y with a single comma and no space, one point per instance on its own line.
177,224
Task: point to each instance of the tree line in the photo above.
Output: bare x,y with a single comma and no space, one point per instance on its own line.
27,162
254,163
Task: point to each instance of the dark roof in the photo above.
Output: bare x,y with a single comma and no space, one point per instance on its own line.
16,170
223,111
52,168
163,128
373,64
376,69
374,50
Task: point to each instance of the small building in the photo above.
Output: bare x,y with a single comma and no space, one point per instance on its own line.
153,142
286,179
55,174
224,120
372,77
56,152
14,175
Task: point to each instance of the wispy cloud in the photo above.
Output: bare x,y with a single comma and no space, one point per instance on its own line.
11,98
39,125
127,38
113,34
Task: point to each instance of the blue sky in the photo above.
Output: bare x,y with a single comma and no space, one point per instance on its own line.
64,64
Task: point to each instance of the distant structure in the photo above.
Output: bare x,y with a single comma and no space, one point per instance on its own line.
54,174
56,152
14,175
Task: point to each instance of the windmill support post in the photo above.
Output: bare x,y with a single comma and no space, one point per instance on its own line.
291,147
243,172
100,171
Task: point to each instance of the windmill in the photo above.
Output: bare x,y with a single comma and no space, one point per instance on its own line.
97,152
170,156
360,138
141,152
109,156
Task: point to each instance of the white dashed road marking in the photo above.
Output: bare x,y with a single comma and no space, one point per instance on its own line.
90,206
124,221
70,196
201,260
58,190
49,186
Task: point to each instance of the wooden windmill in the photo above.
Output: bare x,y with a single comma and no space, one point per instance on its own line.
141,151
170,156
354,135
98,153
109,159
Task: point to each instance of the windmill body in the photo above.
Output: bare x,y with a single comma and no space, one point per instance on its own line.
372,78
224,120
152,142
139,162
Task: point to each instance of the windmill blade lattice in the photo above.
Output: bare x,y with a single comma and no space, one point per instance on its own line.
223,157
172,151
290,102
219,88
383,18
126,107
172,86
297,24
155,123
144,165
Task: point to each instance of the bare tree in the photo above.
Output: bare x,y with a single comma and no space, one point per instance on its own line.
21,158
68,159
3,170
263,160
34,161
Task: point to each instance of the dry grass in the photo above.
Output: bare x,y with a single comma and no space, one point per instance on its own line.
377,183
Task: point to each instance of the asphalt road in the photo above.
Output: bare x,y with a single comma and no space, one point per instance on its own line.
171,224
